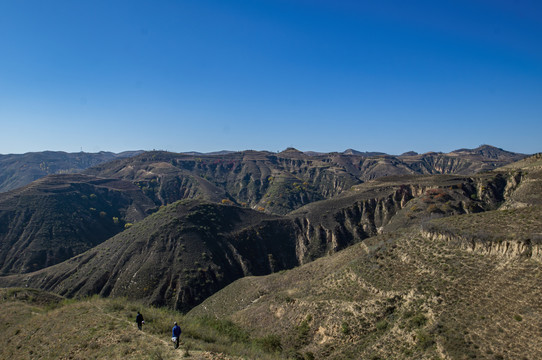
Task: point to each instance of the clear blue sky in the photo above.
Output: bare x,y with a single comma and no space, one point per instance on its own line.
322,75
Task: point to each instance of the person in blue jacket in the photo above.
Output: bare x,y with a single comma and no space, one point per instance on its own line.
176,334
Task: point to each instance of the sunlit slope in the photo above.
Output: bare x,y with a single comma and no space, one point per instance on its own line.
39,325
396,296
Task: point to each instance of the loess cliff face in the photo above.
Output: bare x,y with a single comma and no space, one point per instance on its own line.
509,248
326,227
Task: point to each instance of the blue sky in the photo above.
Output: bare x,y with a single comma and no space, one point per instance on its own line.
319,75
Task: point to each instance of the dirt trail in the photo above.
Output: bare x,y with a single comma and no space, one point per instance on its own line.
193,354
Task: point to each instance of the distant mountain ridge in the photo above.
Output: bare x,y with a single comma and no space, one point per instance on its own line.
17,170
281,182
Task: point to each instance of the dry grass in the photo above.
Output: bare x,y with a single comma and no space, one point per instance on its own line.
37,325
397,296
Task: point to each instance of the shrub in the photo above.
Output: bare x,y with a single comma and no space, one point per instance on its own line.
417,321
302,332
381,325
425,340
345,328
269,343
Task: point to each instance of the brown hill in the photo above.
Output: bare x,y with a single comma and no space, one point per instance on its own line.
175,257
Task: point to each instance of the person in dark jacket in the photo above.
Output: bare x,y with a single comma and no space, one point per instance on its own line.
139,320
176,334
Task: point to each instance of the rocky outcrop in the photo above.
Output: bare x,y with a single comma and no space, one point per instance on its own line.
348,225
509,248
330,226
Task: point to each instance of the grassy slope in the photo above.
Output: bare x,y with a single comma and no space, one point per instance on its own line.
56,329
39,325
394,297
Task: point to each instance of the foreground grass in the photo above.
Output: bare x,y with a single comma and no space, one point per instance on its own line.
38,325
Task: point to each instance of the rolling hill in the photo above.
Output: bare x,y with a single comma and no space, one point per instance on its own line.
191,249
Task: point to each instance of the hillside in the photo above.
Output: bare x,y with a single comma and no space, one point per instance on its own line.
17,170
405,295
39,325
456,287
60,216
434,266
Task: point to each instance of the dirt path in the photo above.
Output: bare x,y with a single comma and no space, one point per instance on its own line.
182,352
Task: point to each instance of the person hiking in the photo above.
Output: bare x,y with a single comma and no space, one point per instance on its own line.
176,334
139,320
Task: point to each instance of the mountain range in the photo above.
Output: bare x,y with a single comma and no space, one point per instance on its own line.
351,255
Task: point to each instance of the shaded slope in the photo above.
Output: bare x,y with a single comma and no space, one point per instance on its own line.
60,216
175,257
